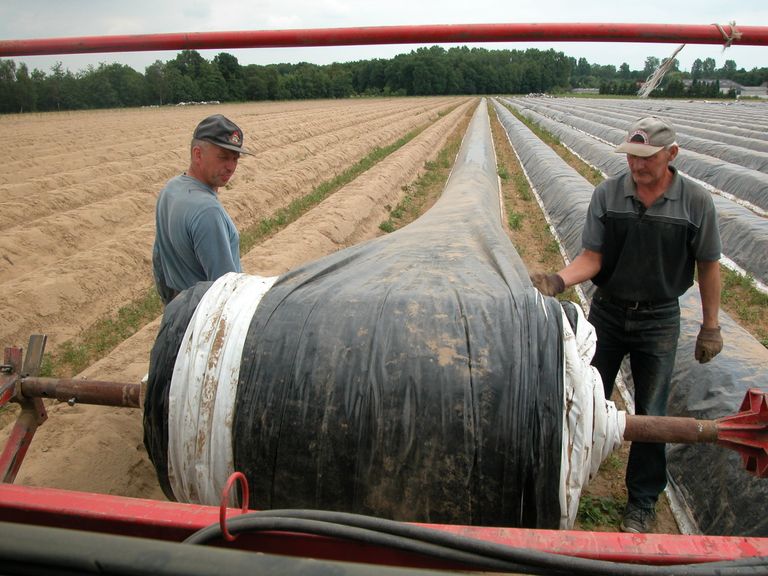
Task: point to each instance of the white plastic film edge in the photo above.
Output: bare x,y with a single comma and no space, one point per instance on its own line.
204,387
592,426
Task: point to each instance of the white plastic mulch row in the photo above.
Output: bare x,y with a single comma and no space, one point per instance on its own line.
731,175
705,391
744,232
718,141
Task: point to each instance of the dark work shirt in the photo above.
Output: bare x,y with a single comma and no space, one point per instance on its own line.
650,254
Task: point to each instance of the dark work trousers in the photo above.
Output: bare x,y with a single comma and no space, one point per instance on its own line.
648,332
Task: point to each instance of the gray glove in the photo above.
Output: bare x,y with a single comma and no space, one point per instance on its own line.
708,344
548,284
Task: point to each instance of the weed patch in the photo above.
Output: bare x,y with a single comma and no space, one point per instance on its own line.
597,511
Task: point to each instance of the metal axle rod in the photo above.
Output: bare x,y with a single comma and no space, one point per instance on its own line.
746,432
670,430
98,392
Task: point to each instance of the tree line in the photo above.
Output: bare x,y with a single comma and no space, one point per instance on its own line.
426,71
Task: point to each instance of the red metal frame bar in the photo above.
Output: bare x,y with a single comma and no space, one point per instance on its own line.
32,414
174,521
449,33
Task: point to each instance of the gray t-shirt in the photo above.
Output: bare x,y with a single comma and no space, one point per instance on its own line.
650,254
195,239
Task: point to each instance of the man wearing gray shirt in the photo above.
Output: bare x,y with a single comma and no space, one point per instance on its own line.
647,231
195,239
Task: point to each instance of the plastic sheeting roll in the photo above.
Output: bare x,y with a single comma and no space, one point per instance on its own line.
162,361
592,426
414,376
418,376
201,400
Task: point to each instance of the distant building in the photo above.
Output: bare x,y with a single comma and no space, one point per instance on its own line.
740,91
725,85
755,91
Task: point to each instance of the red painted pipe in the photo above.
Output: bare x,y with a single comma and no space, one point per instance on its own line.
424,34
175,521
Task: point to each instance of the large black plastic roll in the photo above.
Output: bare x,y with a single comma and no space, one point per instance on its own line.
176,317
417,376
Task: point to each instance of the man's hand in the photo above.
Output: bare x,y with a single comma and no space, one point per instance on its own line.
548,284
708,344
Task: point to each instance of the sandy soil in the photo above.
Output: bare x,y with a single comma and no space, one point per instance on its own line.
77,225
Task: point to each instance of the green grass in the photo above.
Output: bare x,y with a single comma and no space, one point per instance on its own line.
104,335
599,512
553,247
515,220
523,186
745,302
612,462
284,216
435,175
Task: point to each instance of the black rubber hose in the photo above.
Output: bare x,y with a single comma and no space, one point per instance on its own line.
254,523
471,552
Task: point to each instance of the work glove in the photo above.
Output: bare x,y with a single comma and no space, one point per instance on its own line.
548,284
708,344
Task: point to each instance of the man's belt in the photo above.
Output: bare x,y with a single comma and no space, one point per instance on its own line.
601,296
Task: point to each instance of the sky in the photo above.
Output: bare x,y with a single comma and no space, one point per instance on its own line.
31,19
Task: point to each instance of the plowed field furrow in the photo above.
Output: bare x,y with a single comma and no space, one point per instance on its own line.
96,184
86,151
90,149
108,440
56,237
86,263
19,215
23,185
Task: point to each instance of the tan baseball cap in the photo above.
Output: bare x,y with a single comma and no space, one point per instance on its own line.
647,136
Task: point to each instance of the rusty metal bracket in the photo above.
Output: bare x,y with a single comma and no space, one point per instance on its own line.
22,385
33,412
747,432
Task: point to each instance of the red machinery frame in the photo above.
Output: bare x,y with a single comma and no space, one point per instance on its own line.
174,522
727,34
171,521
746,432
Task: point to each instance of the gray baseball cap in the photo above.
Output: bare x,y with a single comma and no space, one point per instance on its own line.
222,132
647,136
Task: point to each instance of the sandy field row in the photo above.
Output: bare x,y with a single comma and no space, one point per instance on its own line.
76,241
88,257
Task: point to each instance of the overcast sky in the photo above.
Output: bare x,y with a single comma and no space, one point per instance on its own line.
25,19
